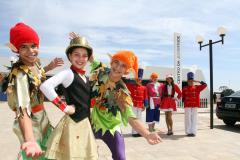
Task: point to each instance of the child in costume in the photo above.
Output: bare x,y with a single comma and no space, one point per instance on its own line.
53,64
139,98
154,89
191,98
169,101
31,124
72,139
112,104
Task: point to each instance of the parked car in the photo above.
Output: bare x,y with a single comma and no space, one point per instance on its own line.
229,109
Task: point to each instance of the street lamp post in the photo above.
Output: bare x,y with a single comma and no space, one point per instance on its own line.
221,32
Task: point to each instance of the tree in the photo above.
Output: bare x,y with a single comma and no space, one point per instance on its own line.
222,88
227,92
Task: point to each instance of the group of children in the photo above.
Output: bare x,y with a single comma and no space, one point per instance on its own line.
157,96
112,102
104,90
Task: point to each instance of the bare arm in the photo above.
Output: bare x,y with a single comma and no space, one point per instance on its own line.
25,124
124,102
23,107
152,138
53,64
30,145
138,126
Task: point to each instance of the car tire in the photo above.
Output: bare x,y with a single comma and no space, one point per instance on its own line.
229,122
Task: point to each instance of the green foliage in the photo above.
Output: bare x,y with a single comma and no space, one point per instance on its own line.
227,92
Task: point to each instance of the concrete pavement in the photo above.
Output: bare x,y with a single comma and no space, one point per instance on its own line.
220,143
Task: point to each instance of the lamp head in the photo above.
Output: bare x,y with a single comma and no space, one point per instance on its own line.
221,31
199,39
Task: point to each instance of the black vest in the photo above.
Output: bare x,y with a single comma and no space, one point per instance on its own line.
78,94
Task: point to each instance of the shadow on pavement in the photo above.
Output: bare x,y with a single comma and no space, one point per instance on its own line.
127,135
164,136
235,129
172,137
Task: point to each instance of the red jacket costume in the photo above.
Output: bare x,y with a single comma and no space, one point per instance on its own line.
154,93
138,94
191,95
168,101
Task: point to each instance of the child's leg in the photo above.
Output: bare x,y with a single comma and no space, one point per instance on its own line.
166,119
139,113
170,121
187,120
194,120
115,144
156,117
150,118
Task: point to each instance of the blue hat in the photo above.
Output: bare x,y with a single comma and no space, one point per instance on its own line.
140,73
190,76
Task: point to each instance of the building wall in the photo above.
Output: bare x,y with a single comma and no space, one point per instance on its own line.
162,71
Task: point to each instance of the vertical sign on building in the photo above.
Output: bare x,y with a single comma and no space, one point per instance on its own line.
177,60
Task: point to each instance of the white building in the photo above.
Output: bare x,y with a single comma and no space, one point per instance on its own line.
162,71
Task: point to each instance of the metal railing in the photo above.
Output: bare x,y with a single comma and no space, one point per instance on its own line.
203,103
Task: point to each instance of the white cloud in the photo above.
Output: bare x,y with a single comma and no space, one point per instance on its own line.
144,26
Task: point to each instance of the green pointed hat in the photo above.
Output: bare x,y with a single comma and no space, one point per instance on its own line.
79,42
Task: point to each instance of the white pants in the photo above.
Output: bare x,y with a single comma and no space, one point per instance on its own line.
138,113
191,120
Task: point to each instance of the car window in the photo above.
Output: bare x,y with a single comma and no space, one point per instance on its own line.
236,94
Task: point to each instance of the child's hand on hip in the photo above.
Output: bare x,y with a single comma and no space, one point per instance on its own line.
70,109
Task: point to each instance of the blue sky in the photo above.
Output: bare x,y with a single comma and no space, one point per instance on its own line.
144,26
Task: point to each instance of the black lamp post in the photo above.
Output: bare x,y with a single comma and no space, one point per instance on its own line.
221,32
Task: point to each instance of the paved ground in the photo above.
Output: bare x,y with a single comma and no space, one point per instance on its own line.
221,143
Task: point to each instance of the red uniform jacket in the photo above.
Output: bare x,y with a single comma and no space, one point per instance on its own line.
138,94
191,95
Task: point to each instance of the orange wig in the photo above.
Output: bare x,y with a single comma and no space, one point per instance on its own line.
154,75
129,59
